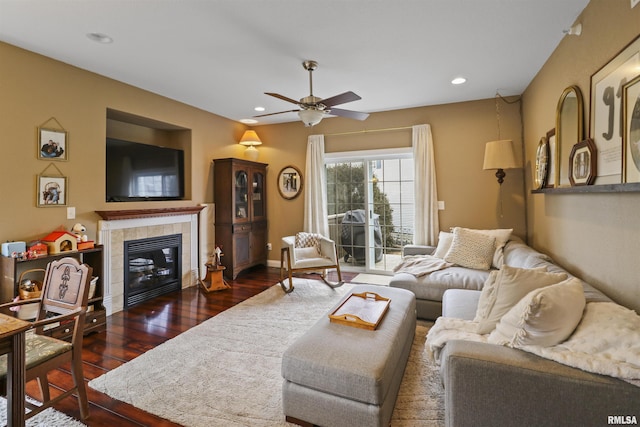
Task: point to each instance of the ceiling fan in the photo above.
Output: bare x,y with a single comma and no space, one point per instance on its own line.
313,109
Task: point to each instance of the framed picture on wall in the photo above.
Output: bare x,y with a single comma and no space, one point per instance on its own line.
542,161
52,144
582,163
605,124
552,171
289,182
52,191
631,132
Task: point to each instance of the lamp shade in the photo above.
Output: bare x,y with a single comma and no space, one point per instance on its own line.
499,155
250,138
310,117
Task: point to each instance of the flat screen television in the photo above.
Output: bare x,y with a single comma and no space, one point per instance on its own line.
143,172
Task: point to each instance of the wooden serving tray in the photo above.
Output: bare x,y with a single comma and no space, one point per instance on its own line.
361,310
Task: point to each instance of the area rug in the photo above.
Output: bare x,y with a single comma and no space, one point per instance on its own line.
226,371
372,279
47,418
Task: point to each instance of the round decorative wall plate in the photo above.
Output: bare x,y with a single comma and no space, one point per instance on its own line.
542,160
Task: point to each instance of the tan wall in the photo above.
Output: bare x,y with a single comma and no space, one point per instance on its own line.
460,131
596,236
36,88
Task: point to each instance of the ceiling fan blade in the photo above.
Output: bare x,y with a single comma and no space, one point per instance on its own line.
284,98
343,98
348,114
279,112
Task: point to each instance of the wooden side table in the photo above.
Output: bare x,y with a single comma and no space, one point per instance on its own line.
214,280
12,332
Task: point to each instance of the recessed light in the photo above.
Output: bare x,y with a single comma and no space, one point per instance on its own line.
100,38
248,121
259,109
458,81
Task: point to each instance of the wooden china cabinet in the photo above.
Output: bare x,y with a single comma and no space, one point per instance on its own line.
240,213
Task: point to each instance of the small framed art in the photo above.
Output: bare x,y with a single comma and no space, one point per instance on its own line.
289,182
582,163
52,191
52,144
552,170
542,159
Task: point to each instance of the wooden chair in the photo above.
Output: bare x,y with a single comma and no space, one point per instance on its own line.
64,301
306,253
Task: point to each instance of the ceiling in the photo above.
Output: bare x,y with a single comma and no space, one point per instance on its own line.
222,55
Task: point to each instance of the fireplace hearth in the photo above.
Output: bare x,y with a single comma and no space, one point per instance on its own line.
152,268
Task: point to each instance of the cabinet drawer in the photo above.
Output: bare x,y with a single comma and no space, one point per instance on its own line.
241,228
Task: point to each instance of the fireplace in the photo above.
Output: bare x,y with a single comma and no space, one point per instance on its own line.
152,268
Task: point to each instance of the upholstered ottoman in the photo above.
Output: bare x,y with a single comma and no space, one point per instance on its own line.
338,375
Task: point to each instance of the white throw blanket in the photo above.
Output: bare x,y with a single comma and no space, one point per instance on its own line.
607,341
420,265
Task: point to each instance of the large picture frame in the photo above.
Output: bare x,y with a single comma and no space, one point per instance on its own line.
583,163
631,132
605,123
52,144
290,182
51,191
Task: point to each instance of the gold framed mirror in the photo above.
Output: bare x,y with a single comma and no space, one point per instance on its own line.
569,131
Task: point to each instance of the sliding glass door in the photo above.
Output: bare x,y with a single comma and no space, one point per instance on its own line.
371,206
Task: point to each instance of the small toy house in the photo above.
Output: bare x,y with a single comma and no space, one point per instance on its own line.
61,241
37,249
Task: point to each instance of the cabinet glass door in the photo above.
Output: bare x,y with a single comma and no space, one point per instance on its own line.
241,195
257,196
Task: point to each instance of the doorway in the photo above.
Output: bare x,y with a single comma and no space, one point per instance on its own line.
370,198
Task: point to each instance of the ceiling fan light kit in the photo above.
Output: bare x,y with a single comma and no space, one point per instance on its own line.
313,109
310,117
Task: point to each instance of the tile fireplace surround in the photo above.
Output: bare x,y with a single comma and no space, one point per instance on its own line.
116,227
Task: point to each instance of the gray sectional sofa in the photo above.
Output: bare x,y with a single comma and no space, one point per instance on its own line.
429,289
490,385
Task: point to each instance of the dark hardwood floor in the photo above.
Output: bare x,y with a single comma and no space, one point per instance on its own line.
134,331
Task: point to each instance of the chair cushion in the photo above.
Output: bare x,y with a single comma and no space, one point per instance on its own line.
307,240
38,349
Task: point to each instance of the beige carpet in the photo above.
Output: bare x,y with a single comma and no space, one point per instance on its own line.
47,418
372,279
226,371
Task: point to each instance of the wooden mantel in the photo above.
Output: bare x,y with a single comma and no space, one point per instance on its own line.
148,213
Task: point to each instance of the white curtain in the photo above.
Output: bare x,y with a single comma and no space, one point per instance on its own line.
315,198
426,223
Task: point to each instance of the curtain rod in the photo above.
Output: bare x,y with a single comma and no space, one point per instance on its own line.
370,130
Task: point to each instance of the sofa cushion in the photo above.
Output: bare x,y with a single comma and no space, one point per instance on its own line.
470,249
460,303
504,288
502,236
444,243
544,317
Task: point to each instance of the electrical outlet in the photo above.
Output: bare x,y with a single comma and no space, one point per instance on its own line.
71,213
269,246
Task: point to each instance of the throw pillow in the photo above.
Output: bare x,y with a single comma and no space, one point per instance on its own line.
502,236
544,317
510,286
470,249
307,240
444,243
